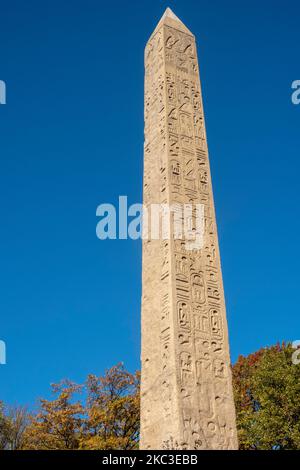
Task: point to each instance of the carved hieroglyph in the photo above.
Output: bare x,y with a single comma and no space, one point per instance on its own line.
186,391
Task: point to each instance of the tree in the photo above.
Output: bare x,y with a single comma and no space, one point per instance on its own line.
13,425
57,425
3,428
267,397
113,410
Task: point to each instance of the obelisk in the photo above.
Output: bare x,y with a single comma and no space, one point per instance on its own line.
186,390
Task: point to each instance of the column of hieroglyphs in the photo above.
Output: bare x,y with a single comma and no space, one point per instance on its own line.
186,391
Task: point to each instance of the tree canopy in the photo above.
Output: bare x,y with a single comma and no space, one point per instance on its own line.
103,413
267,397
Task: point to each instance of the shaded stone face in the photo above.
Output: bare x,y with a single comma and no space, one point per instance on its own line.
186,391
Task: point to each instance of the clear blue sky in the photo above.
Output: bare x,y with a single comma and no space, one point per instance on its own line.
71,138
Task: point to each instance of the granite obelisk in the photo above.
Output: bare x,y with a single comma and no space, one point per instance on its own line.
186,391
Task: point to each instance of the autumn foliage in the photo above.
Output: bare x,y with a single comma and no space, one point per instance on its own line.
103,413
267,397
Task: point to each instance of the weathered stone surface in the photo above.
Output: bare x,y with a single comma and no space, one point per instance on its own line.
186,392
